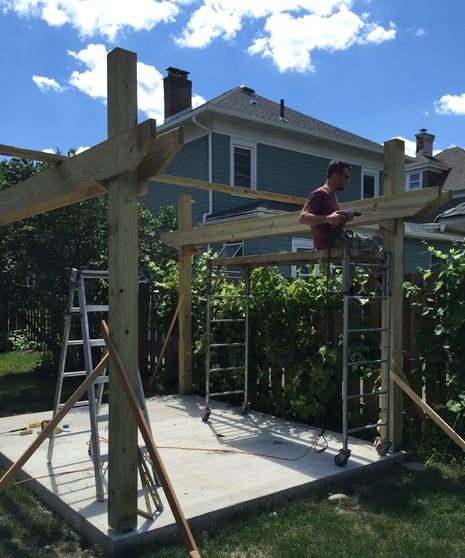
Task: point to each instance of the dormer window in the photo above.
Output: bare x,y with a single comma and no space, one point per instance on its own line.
413,181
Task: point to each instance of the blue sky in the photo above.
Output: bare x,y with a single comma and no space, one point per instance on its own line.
377,68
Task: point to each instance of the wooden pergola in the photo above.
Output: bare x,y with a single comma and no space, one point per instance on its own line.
120,167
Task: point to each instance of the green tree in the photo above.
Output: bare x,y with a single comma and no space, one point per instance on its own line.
38,253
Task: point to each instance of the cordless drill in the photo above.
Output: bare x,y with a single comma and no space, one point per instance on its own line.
351,213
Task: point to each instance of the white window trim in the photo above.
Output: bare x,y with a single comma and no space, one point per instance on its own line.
239,246
407,181
237,142
375,174
305,244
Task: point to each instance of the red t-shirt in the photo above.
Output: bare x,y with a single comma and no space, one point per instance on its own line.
323,202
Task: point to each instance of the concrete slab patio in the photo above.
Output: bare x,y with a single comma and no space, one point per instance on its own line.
216,467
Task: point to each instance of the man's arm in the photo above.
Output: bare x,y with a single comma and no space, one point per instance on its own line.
335,219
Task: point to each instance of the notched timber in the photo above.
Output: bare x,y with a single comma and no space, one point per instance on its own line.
231,190
377,210
77,178
31,154
162,152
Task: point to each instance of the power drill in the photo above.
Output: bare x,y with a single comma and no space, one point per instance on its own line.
351,213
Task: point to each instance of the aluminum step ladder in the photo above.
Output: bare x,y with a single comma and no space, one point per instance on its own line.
214,335
378,266
83,316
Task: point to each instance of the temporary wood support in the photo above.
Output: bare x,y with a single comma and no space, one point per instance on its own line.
427,409
123,305
53,423
144,428
374,210
393,241
185,294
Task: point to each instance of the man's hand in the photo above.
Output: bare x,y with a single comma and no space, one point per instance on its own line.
337,218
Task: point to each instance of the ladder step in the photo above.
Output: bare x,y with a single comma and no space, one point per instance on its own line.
76,310
229,320
230,368
227,345
77,404
366,427
359,362
227,392
367,297
368,394
75,373
102,418
93,274
92,342
367,329
102,380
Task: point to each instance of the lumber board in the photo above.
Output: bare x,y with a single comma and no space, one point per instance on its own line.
375,210
122,294
162,152
298,258
429,411
31,154
185,292
226,189
47,431
146,433
74,179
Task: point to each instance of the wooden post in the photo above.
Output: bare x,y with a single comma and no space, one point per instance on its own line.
123,307
185,292
393,241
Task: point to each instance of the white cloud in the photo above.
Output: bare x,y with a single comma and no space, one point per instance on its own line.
410,146
451,104
92,81
419,32
98,17
291,31
47,84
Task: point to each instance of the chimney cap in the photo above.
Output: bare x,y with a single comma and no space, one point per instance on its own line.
248,91
177,72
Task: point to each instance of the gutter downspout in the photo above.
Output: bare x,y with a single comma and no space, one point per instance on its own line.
210,167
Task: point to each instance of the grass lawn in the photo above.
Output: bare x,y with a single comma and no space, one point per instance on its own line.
403,514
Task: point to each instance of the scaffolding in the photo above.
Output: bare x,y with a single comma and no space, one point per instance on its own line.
375,269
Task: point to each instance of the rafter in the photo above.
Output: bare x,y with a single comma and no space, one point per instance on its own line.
76,178
374,210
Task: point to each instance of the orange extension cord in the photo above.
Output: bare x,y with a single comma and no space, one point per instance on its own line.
210,450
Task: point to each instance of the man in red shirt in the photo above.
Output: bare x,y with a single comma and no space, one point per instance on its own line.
321,210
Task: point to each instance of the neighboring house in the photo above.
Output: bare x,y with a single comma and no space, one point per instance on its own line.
242,139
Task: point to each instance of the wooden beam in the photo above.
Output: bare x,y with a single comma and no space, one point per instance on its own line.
225,189
74,179
185,294
53,423
123,298
31,154
376,210
146,433
393,242
160,155
428,410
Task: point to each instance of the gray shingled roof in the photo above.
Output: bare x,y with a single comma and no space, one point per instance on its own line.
454,158
238,102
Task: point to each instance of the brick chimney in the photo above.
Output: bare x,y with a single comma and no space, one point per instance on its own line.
178,91
424,143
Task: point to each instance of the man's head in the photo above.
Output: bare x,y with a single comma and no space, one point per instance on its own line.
339,173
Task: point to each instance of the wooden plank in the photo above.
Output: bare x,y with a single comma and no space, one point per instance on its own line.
74,179
185,293
45,433
123,297
376,210
297,258
393,242
428,410
144,428
232,190
163,150
31,154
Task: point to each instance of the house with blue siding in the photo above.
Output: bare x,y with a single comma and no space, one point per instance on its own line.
242,139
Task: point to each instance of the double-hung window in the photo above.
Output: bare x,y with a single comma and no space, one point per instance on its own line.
413,181
370,186
243,165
